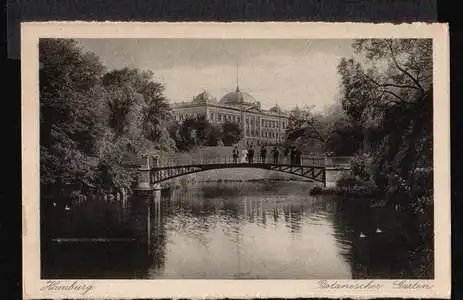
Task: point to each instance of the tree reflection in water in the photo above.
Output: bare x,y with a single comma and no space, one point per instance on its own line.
250,230
377,240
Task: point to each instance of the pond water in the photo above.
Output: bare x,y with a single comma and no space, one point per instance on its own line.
244,230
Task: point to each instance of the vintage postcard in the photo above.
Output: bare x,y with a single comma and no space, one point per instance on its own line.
235,160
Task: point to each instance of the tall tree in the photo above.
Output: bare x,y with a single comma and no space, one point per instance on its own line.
155,107
120,102
388,90
197,131
308,129
231,133
393,71
70,103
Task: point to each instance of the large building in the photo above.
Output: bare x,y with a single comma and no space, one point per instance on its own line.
259,126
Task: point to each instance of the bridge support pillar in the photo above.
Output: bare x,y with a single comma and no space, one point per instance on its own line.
144,182
332,174
144,175
142,201
145,205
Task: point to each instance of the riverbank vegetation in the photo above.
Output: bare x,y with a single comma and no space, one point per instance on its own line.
385,122
92,119
383,117
94,122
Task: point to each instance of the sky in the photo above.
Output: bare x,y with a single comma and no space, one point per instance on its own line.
288,73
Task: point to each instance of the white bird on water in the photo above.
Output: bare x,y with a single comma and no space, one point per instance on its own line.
378,230
362,235
67,207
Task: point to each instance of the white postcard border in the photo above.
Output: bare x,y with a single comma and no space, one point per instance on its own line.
35,288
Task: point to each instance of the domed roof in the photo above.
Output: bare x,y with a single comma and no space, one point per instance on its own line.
237,97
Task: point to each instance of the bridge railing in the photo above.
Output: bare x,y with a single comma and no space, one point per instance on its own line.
173,160
223,155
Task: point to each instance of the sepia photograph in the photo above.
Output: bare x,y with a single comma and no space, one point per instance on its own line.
244,159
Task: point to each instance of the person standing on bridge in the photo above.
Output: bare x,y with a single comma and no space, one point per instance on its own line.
244,155
292,155
276,154
235,154
263,154
286,154
297,156
251,154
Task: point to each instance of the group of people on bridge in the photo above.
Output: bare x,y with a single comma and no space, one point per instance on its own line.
247,155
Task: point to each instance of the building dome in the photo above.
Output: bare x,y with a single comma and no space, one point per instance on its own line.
237,97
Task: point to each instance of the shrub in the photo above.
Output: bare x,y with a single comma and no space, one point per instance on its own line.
361,166
348,180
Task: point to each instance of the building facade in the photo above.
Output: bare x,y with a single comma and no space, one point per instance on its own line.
258,125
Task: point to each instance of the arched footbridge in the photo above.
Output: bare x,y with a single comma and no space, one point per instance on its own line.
317,170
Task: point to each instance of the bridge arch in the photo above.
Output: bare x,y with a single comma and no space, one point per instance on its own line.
151,177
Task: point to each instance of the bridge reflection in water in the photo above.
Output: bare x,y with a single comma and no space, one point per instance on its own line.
249,231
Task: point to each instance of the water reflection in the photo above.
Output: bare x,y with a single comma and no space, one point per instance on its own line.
248,231
256,230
